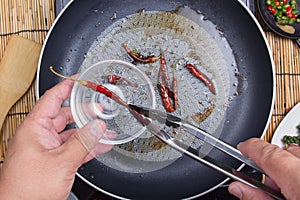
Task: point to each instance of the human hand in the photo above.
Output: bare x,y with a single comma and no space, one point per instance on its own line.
282,167
42,159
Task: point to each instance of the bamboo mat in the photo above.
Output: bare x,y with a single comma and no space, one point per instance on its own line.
286,56
30,19
33,18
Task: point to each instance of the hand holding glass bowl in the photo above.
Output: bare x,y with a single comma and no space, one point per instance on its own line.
126,81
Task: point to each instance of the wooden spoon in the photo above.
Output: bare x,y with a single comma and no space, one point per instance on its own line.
17,71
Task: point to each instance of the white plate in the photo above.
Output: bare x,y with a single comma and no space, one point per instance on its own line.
287,126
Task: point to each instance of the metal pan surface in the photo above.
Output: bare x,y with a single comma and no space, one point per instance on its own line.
248,112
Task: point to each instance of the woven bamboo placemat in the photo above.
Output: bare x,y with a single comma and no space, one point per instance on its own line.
30,19
33,18
287,68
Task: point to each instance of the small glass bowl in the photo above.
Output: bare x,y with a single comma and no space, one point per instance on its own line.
130,83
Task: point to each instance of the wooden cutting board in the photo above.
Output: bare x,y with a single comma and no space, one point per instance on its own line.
17,71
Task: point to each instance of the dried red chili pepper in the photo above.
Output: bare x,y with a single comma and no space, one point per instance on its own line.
94,86
140,58
202,77
175,90
164,86
164,93
115,79
163,76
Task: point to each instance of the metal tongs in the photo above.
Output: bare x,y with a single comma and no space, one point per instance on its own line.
145,117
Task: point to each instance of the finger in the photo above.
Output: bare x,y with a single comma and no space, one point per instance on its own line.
280,165
294,149
269,182
78,146
245,192
101,148
63,118
49,104
64,136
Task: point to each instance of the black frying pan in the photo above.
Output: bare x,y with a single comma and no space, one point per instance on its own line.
77,28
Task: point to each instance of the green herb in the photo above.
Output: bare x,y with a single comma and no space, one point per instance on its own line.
288,140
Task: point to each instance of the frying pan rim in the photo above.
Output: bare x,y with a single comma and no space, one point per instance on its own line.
44,46
270,109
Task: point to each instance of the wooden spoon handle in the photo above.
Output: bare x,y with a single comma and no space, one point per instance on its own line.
17,71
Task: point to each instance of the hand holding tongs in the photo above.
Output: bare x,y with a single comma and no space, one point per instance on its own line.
143,115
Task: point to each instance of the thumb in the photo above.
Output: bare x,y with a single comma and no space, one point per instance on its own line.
246,192
78,146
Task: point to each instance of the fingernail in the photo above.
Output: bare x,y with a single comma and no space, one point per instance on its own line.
235,190
109,136
239,145
96,129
